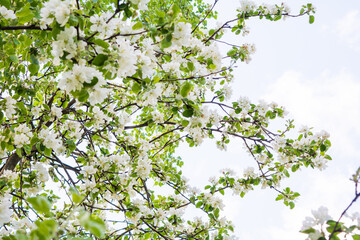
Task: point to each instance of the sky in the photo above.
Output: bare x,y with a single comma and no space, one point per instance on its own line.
312,70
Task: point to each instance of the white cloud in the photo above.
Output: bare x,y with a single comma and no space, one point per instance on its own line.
348,29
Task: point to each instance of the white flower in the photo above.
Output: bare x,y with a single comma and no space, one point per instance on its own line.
42,173
52,140
286,7
315,235
10,175
56,8
88,170
150,97
74,80
22,136
321,215
143,168
10,107
157,116
5,209
65,43
212,51
182,34
141,4
98,94
101,24
249,172
308,223
227,91
7,14
56,111
320,162
247,6
35,110
216,202
126,58
75,129
304,129
22,224
324,134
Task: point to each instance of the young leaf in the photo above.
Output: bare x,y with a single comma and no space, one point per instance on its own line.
100,59
40,204
185,89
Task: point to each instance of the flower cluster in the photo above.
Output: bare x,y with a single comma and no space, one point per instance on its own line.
315,226
23,134
5,208
6,13
58,9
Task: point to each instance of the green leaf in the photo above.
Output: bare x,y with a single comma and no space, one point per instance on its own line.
70,144
93,82
73,20
25,14
184,123
83,95
231,52
101,43
40,204
6,3
188,112
47,152
166,42
14,58
93,224
46,229
311,19
216,212
136,88
100,59
277,17
356,237
279,197
295,167
76,196
34,68
185,89
137,26
322,148
122,6
190,66
307,231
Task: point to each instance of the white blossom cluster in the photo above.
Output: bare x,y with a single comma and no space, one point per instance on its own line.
58,9
65,43
80,74
248,6
52,140
10,107
320,216
42,174
5,210
23,134
315,226
196,124
6,13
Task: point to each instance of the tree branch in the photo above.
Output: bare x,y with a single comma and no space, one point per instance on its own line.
24,27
